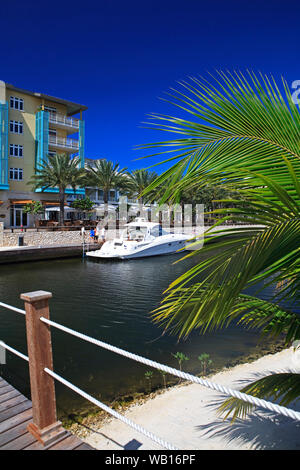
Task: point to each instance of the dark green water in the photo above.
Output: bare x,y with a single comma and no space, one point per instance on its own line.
110,301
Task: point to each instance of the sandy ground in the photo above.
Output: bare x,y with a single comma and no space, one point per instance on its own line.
186,416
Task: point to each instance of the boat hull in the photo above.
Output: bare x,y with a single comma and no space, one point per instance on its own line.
158,249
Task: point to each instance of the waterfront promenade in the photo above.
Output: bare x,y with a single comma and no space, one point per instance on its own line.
186,416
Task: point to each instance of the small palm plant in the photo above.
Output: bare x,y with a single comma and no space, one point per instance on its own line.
164,374
148,377
180,358
205,361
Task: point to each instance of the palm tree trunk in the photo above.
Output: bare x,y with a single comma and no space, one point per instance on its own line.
105,200
61,206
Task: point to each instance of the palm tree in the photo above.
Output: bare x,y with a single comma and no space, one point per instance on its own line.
139,180
59,172
249,143
107,175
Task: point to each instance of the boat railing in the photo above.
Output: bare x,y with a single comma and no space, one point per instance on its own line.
42,375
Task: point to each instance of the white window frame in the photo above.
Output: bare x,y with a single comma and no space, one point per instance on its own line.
16,150
16,174
17,127
16,103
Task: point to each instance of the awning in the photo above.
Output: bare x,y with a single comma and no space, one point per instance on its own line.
51,203
21,201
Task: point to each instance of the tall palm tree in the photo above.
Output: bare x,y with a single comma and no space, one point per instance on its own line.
107,175
246,137
59,172
139,180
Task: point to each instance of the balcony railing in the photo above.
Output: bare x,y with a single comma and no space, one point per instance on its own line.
62,142
60,119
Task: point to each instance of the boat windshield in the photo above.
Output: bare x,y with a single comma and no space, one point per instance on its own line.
135,233
157,231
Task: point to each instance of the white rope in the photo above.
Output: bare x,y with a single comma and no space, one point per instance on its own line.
112,412
170,370
17,353
98,403
10,307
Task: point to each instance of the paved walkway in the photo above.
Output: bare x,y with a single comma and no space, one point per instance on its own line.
186,416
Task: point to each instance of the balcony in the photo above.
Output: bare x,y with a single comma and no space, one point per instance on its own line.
70,124
61,143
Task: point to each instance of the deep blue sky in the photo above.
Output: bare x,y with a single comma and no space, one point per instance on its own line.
118,57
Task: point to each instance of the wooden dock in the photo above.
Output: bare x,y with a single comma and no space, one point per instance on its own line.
16,414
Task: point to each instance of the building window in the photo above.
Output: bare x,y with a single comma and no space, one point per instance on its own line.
16,174
16,127
52,154
17,103
15,150
52,132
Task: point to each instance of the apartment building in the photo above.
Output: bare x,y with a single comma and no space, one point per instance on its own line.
32,127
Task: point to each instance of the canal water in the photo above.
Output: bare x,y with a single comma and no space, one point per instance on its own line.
110,301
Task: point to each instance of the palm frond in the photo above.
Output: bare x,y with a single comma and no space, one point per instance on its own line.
283,388
239,122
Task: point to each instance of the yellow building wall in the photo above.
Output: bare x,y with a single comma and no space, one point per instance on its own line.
27,139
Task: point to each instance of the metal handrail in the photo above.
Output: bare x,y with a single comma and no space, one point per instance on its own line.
63,142
57,118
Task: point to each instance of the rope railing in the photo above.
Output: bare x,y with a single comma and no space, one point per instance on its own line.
98,403
37,310
10,307
112,412
183,375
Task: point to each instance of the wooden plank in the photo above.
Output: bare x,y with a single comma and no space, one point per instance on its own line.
16,415
3,383
7,388
38,446
12,402
19,443
13,433
15,410
8,395
69,443
15,420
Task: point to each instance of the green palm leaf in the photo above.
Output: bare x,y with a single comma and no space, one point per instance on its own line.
237,123
283,388
234,259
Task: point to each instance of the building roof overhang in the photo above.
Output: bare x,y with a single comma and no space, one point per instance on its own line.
72,108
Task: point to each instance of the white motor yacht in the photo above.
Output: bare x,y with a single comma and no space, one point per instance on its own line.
140,239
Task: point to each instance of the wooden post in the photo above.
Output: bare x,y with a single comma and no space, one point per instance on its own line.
45,426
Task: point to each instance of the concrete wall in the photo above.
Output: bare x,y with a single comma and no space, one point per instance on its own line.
44,238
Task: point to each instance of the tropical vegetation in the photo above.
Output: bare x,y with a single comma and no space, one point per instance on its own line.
107,175
241,134
61,172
